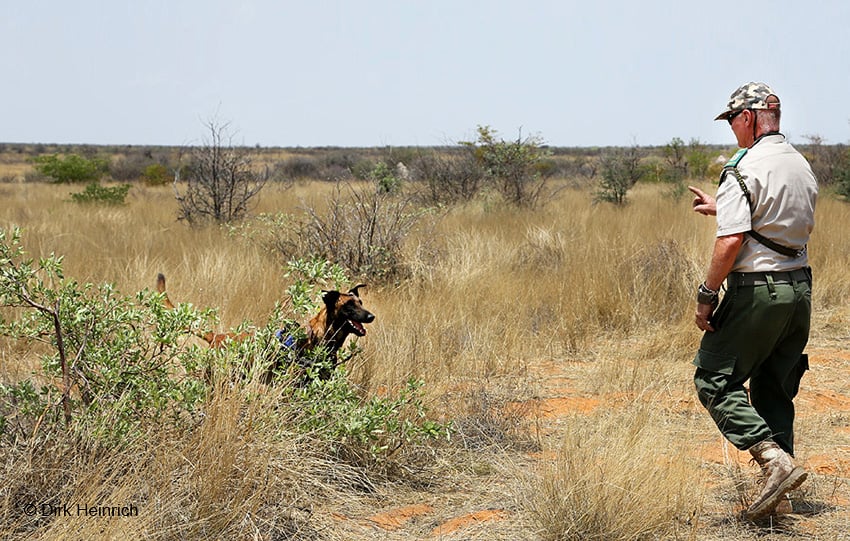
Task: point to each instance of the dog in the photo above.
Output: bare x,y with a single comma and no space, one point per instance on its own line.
213,339
342,315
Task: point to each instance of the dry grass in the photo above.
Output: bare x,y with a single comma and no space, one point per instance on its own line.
603,295
610,480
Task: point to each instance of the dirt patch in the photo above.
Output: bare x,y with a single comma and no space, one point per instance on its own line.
837,463
565,405
552,408
828,356
723,452
466,521
399,517
824,401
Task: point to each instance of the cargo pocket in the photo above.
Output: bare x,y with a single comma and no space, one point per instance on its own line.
715,362
796,375
712,376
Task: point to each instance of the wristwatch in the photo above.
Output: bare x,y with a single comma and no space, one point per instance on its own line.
706,295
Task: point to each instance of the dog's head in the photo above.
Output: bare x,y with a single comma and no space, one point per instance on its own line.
347,309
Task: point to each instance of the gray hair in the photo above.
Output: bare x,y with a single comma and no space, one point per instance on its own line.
768,119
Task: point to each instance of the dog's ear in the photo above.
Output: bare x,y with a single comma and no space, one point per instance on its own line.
330,297
353,290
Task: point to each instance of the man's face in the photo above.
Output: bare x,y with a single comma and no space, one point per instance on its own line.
742,126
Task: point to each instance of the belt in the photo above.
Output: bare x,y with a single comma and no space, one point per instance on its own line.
760,278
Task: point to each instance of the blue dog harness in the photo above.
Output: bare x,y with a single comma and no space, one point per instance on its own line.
287,341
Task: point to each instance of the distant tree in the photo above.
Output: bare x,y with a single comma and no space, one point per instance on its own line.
70,169
449,176
843,180
516,167
620,169
676,166
296,167
385,178
698,159
155,174
221,179
841,171
828,161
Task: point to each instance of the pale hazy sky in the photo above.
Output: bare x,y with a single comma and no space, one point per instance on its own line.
396,72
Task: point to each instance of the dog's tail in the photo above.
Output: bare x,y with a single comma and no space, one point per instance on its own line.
160,287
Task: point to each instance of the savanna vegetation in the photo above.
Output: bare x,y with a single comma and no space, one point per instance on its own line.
527,377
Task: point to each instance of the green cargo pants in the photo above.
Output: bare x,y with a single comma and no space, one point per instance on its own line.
761,328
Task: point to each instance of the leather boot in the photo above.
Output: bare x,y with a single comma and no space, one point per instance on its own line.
781,476
784,507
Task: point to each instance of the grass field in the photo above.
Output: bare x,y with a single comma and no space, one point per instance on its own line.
558,342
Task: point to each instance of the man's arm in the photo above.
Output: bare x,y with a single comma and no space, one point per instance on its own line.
726,249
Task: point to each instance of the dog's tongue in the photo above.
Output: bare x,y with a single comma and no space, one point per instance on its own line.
361,330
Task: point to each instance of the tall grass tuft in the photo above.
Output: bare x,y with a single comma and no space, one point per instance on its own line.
613,479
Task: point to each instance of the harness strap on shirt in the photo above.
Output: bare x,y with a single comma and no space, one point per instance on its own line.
732,167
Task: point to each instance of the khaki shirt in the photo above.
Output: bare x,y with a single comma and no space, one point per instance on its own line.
784,192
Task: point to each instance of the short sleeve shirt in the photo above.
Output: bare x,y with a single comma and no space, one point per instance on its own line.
783,191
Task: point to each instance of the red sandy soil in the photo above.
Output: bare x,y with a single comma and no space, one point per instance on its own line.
824,392
399,517
396,518
465,521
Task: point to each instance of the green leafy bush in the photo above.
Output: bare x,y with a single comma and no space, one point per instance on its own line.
364,430
156,174
515,167
385,179
95,193
620,170
112,362
70,169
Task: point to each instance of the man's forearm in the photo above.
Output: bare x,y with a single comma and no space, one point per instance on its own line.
722,259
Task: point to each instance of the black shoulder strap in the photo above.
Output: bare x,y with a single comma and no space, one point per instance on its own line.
784,250
775,246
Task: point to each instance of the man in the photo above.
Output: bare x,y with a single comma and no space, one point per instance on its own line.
765,213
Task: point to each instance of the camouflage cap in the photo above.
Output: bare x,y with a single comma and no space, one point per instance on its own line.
749,96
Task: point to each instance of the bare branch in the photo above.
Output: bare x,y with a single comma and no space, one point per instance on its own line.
221,179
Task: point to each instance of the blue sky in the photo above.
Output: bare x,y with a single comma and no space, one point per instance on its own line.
397,73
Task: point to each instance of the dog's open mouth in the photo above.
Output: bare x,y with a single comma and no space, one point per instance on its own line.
357,328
